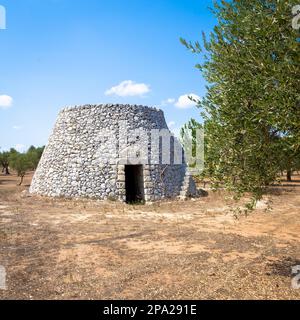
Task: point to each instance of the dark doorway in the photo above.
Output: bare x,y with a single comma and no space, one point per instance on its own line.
134,183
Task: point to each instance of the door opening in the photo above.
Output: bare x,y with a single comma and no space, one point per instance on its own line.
134,183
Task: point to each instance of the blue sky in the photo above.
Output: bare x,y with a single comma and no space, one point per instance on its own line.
55,53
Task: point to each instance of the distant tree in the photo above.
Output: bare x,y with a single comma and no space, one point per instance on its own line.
4,161
34,155
5,157
289,155
20,162
40,151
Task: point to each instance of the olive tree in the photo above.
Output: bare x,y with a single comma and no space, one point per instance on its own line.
251,64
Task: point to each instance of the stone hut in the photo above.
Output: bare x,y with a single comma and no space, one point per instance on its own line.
113,151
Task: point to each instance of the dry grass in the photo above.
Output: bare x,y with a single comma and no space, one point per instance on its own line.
66,249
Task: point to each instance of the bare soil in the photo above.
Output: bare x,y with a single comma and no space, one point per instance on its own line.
194,249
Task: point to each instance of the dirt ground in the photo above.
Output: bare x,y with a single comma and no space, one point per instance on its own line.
195,249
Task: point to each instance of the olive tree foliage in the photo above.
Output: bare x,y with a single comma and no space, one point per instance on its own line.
251,62
34,155
4,161
21,162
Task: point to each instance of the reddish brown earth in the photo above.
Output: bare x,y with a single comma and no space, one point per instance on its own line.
66,249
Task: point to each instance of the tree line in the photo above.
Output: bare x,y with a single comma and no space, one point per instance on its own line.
20,162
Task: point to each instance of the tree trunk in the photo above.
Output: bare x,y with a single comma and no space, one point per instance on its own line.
21,180
289,175
6,170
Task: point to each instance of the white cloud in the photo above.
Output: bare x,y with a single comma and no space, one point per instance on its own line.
170,100
17,127
5,101
20,147
184,102
167,101
128,88
171,124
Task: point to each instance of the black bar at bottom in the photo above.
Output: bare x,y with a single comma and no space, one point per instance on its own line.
180,309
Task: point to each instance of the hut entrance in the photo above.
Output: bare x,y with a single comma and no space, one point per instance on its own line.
134,183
